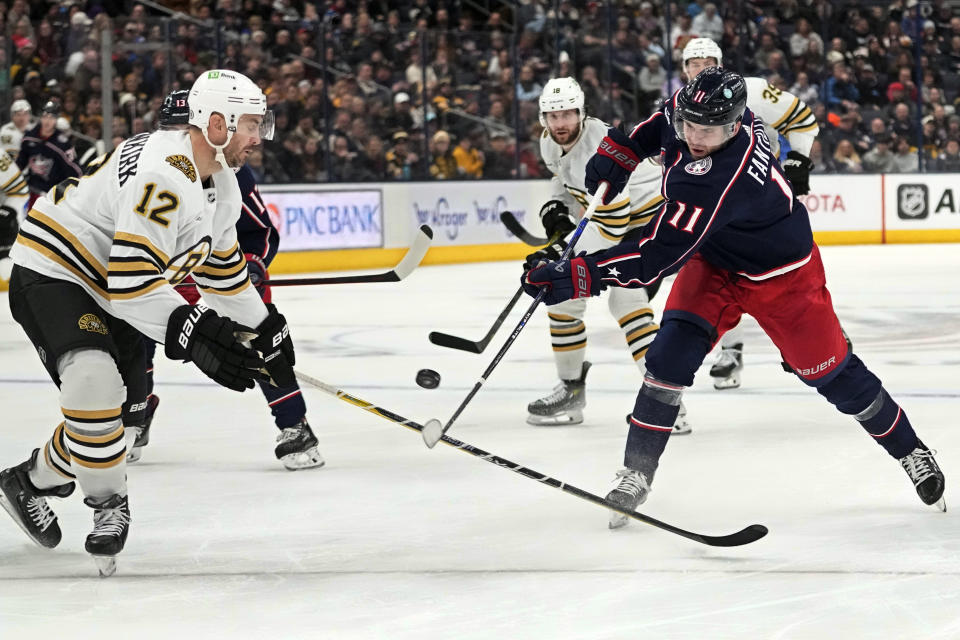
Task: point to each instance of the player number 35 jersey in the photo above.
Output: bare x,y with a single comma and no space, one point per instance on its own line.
138,222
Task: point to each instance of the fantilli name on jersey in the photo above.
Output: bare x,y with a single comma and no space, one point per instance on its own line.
782,113
633,208
134,225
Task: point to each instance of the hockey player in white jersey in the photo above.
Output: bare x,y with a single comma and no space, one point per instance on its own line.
11,134
569,140
13,198
95,262
783,114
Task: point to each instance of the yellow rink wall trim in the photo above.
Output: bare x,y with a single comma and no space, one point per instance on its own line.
354,259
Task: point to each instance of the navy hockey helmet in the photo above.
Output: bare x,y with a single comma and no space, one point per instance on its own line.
716,97
174,111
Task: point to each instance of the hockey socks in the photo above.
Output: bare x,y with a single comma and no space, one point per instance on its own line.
887,423
651,423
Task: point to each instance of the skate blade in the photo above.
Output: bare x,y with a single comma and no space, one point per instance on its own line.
308,459
941,504
617,520
681,430
732,382
559,420
106,565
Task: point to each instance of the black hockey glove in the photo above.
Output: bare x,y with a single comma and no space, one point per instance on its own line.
197,334
277,348
8,230
547,254
564,280
556,219
797,168
615,159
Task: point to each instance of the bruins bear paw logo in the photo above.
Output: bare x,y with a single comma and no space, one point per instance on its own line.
90,322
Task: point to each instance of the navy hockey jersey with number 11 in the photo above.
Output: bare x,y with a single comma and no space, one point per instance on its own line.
734,207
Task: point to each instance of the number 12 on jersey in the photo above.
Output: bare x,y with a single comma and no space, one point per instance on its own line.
156,213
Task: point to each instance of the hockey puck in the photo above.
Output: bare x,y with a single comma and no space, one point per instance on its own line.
428,378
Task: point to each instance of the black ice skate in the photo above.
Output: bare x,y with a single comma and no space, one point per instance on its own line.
140,434
726,370
631,491
297,447
111,523
27,505
925,475
563,406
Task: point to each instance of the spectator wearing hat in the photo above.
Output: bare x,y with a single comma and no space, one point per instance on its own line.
872,95
401,118
879,159
11,134
443,165
401,161
47,156
469,159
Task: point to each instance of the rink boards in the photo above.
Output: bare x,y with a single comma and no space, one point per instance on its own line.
356,226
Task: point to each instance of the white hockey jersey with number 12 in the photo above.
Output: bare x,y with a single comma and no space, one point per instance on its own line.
138,222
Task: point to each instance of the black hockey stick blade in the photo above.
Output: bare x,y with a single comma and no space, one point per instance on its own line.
513,226
411,260
745,536
455,342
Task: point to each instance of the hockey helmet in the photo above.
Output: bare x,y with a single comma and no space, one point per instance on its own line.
716,97
561,94
174,110
702,48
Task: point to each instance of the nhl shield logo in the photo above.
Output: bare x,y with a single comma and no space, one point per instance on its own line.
913,201
699,167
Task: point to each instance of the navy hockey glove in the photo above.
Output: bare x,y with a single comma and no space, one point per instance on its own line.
615,159
257,272
214,343
556,219
547,254
797,168
564,280
275,344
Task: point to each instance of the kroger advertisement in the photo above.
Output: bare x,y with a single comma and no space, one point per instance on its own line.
326,219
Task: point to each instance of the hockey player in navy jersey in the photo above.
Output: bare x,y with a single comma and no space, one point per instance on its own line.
259,240
741,243
47,156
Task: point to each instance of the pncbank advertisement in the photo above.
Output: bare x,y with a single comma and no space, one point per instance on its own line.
309,220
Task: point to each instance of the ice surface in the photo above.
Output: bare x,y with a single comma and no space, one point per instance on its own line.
392,540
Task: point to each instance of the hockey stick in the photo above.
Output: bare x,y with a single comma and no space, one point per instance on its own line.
418,249
455,342
432,429
513,226
745,536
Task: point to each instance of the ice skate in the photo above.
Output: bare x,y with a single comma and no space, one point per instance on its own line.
726,370
111,523
680,426
925,474
297,447
563,406
139,436
631,491
28,506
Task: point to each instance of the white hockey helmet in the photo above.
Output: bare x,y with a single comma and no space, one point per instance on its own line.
702,48
561,94
232,95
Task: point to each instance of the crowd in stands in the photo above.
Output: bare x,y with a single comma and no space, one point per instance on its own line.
368,90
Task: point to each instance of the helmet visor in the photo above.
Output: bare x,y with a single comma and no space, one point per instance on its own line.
702,135
267,125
